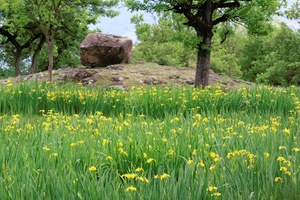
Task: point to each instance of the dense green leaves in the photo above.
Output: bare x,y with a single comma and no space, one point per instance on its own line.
25,23
167,43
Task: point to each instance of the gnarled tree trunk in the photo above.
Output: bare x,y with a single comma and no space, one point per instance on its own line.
203,62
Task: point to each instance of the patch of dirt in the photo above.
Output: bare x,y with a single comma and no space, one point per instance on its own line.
125,76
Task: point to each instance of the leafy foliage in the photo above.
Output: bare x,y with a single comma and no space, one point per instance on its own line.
65,22
166,43
273,59
226,52
284,62
294,11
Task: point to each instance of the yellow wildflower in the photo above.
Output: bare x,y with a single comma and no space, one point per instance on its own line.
104,142
142,179
194,152
201,163
171,152
267,154
92,168
288,163
46,148
211,168
73,144
284,169
287,131
175,119
151,160
189,161
54,154
165,140
164,176
278,179
109,158
131,188
139,169
296,149
287,173
217,194
121,150
129,176
280,158
212,188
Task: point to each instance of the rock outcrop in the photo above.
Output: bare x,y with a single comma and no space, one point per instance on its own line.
101,50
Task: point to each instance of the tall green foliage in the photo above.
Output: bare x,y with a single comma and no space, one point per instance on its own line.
168,42
283,62
253,55
226,52
273,59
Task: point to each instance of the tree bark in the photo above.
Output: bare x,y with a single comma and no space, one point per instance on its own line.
204,29
36,54
18,61
203,63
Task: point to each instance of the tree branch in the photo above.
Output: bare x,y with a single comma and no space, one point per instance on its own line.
234,4
32,39
10,37
223,18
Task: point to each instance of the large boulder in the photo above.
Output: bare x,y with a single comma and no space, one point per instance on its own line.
101,50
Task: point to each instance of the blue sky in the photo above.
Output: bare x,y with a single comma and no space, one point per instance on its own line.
121,25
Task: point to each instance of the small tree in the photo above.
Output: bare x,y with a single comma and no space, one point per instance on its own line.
204,15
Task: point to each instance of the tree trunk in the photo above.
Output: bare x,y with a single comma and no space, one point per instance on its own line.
18,61
35,55
50,54
203,62
204,30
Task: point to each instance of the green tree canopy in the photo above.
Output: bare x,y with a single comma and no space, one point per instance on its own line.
168,42
294,11
26,21
18,31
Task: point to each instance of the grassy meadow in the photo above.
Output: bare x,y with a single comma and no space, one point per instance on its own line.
75,142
